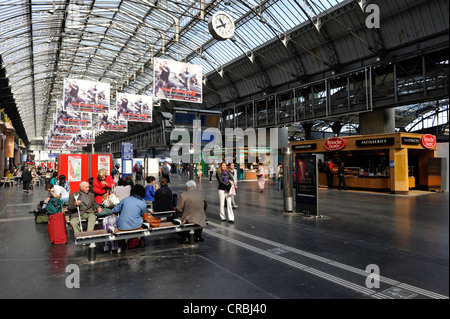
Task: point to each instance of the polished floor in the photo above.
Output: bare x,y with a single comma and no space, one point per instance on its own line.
265,254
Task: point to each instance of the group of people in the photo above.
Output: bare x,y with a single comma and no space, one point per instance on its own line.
87,202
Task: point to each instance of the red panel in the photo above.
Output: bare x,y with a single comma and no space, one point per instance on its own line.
95,163
74,174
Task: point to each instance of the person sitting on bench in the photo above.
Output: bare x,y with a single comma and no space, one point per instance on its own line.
191,208
86,203
131,209
163,198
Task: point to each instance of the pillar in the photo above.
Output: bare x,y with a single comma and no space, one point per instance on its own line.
307,128
399,173
377,122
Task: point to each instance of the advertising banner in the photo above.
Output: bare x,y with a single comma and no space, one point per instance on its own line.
72,118
133,107
9,146
83,138
110,122
175,80
86,96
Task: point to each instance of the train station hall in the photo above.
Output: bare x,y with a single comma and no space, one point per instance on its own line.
225,159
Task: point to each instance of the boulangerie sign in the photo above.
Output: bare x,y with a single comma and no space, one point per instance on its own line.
335,143
428,141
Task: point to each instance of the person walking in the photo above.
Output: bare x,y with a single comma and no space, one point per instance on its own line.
26,179
329,174
225,180
212,171
199,172
279,176
261,177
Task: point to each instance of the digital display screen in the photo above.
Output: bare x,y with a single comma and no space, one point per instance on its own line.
180,118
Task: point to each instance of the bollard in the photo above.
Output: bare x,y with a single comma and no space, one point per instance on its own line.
191,237
288,191
92,252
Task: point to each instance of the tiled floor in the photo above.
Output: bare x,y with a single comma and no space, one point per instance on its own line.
264,254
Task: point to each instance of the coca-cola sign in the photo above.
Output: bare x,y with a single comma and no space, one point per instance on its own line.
334,143
428,141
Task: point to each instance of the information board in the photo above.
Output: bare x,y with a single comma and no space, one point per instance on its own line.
306,184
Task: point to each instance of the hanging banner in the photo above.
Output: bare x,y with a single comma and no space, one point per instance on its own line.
133,107
83,138
9,146
179,81
86,96
110,122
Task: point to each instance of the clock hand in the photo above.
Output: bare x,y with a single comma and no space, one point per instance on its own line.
221,25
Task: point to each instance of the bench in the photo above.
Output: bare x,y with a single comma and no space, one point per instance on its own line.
102,235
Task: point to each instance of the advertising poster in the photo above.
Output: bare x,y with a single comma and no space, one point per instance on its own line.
306,184
133,107
74,167
110,122
177,81
104,162
86,96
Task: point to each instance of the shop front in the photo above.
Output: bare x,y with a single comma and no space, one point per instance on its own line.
395,162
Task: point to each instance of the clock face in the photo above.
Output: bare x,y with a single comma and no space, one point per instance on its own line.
221,25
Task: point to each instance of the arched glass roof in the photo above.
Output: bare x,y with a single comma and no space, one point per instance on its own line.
115,41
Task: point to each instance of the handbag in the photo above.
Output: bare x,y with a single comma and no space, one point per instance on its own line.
111,200
152,220
232,191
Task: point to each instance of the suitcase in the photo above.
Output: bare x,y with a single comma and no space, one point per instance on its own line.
57,229
107,222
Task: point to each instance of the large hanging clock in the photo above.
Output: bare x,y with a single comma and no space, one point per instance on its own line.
221,26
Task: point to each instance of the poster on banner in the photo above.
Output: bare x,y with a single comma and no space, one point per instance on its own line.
133,107
83,138
177,81
72,118
86,96
110,122
74,167
66,129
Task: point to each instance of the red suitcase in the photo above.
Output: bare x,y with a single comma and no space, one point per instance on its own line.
57,229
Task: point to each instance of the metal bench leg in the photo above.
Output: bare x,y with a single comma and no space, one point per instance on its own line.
92,253
191,237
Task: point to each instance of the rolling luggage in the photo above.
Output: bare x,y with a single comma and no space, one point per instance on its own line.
57,228
110,222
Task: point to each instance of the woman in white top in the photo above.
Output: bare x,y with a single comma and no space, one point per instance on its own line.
261,177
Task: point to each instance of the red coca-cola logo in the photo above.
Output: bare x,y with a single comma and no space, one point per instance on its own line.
335,143
428,141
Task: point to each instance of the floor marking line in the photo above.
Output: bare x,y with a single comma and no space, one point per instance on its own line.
329,262
297,265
